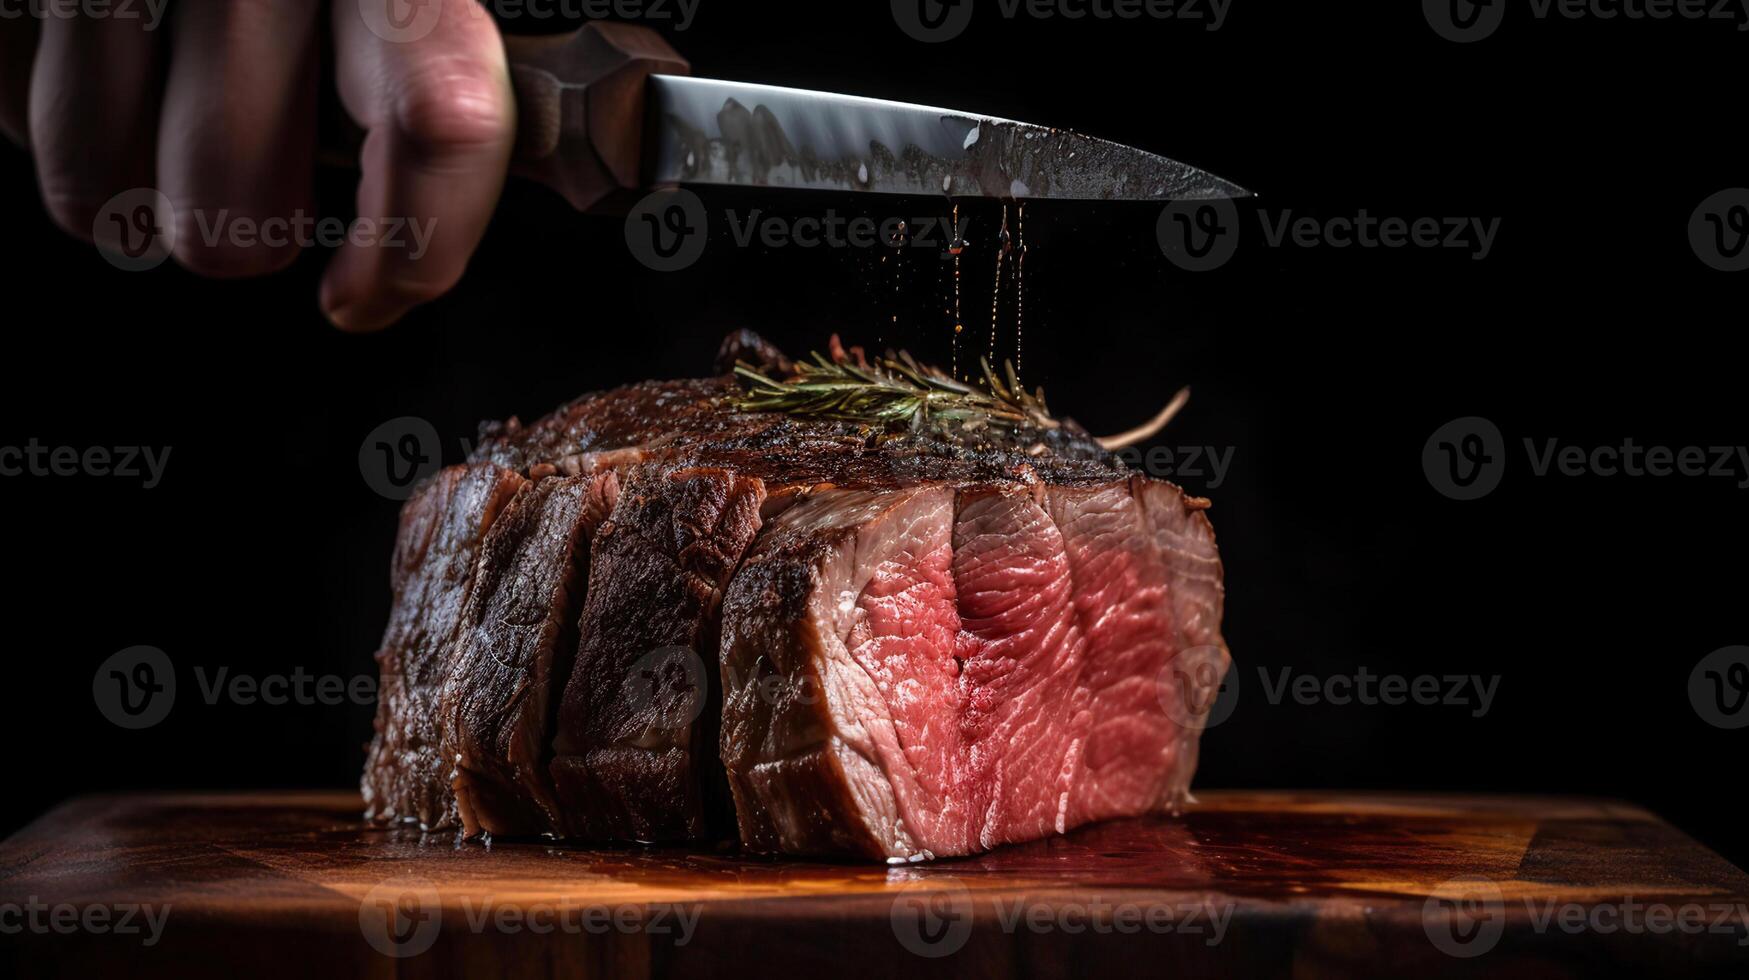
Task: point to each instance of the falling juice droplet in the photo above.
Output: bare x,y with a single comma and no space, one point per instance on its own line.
1019,287
958,324
996,290
899,268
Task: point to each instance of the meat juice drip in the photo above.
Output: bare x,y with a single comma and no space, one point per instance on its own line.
881,262
1019,287
1010,247
886,279
957,246
1002,246
900,242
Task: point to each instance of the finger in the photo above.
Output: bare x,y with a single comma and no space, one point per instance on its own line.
93,112
440,124
236,141
17,53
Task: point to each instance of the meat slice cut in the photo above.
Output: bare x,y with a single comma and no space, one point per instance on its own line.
634,753
518,637
935,671
808,734
406,778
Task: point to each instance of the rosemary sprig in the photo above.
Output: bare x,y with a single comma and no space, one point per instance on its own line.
894,390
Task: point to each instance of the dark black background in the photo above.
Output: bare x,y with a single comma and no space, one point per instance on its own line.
1325,371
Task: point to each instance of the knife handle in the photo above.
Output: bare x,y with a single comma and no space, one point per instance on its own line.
580,111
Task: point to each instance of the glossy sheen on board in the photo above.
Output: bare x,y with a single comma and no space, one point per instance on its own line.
1315,884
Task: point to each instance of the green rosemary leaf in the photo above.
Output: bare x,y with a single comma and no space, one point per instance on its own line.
894,390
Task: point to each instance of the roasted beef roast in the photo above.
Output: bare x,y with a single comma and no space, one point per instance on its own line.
657,615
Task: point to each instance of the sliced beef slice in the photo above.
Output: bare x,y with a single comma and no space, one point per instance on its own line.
634,753
808,735
932,672
1148,595
518,638
442,526
1181,532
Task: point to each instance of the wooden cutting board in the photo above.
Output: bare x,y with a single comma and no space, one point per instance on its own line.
265,885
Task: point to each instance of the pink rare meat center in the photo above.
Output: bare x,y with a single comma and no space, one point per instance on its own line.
1003,727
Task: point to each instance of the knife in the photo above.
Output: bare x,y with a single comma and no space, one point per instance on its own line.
610,112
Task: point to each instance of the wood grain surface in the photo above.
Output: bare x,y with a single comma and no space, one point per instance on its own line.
264,885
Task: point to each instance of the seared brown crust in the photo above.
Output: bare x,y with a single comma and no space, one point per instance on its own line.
635,753
518,635
405,778
790,791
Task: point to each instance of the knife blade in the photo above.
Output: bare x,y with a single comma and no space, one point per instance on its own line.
707,131
610,113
